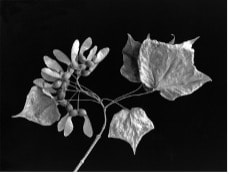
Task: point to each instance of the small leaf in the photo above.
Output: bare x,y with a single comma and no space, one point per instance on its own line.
39,108
60,56
101,55
62,122
130,69
52,64
87,128
51,73
130,126
74,53
68,127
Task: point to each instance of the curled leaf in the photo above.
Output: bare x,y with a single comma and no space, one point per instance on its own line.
130,126
51,73
87,128
68,126
52,64
60,56
101,55
130,69
173,40
39,108
170,68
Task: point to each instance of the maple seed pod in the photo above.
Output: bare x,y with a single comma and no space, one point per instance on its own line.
82,112
92,67
74,53
82,66
86,45
73,113
82,58
67,75
101,55
92,53
85,73
57,84
89,63
69,107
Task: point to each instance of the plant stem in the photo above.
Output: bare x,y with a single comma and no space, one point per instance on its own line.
95,141
110,100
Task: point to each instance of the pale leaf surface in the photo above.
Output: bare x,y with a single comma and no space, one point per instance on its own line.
130,126
130,52
170,68
39,108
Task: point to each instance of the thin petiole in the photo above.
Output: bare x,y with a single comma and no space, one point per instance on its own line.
127,94
122,97
71,90
73,96
110,100
89,100
78,103
134,95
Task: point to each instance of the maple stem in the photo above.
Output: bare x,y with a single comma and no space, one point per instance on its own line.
133,95
120,105
94,142
122,97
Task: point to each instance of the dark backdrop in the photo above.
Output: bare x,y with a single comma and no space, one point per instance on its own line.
190,133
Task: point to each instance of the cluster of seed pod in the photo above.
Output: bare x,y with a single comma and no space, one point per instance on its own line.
85,65
66,125
55,80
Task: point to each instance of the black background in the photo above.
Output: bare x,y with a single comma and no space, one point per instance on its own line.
190,132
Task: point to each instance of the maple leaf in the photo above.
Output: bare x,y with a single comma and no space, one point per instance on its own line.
39,108
170,68
130,126
130,69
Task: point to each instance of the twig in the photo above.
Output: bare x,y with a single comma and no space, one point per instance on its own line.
95,141
114,102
